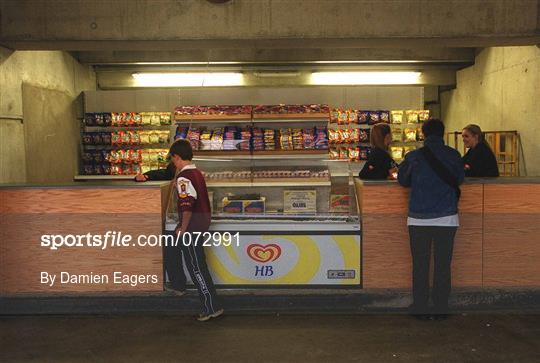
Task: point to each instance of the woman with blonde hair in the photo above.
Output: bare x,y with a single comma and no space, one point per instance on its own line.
479,160
380,164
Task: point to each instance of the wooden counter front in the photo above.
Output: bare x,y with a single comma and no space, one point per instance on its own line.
497,243
27,213
511,235
385,238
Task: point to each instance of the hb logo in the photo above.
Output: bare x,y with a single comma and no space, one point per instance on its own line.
264,254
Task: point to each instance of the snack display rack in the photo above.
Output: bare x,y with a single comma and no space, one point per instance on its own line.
118,145
281,202
349,133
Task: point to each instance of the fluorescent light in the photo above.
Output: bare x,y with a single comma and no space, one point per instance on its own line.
364,78
194,79
276,74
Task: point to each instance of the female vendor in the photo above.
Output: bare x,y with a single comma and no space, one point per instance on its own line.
380,164
479,160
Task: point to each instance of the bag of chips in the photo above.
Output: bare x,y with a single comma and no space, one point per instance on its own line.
410,135
155,119
352,117
374,117
412,116
154,137
343,118
396,152
343,153
363,135
423,115
146,119
355,135
107,120
96,138
385,116
397,116
334,116
363,117
115,119
334,153
354,154
165,118
89,119
397,134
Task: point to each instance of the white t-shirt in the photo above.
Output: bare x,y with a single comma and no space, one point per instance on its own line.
448,221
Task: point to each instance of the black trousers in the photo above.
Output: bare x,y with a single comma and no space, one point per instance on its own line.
195,260
421,238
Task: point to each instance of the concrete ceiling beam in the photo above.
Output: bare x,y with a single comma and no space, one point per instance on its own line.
127,24
286,56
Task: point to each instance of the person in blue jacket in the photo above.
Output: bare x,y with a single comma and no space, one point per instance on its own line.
434,173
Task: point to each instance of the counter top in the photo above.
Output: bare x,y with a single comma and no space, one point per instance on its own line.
88,184
498,180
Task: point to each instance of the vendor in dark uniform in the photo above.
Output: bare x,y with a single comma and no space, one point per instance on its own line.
380,164
158,174
479,160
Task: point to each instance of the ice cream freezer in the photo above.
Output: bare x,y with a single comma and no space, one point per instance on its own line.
285,251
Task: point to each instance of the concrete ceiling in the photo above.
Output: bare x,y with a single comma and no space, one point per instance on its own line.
285,33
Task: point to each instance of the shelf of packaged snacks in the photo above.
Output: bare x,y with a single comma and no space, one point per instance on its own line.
228,184
291,182
239,117
126,128
127,146
282,182
292,116
288,120
222,153
319,153
103,177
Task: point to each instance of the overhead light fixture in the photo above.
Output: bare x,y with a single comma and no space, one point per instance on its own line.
364,78
276,74
188,79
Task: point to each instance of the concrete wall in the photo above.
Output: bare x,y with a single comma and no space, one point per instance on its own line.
500,92
65,78
363,97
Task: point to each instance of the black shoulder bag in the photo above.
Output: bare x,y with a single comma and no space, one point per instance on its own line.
441,170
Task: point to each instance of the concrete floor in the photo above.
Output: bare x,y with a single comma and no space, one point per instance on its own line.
270,338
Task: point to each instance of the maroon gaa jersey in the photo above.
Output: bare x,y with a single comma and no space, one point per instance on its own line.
193,197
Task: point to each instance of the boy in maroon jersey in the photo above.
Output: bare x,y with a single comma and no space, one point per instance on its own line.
194,214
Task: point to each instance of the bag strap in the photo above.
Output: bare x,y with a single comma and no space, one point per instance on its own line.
442,172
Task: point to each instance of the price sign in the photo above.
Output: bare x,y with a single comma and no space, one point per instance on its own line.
299,201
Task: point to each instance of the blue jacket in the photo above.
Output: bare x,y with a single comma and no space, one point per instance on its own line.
430,196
